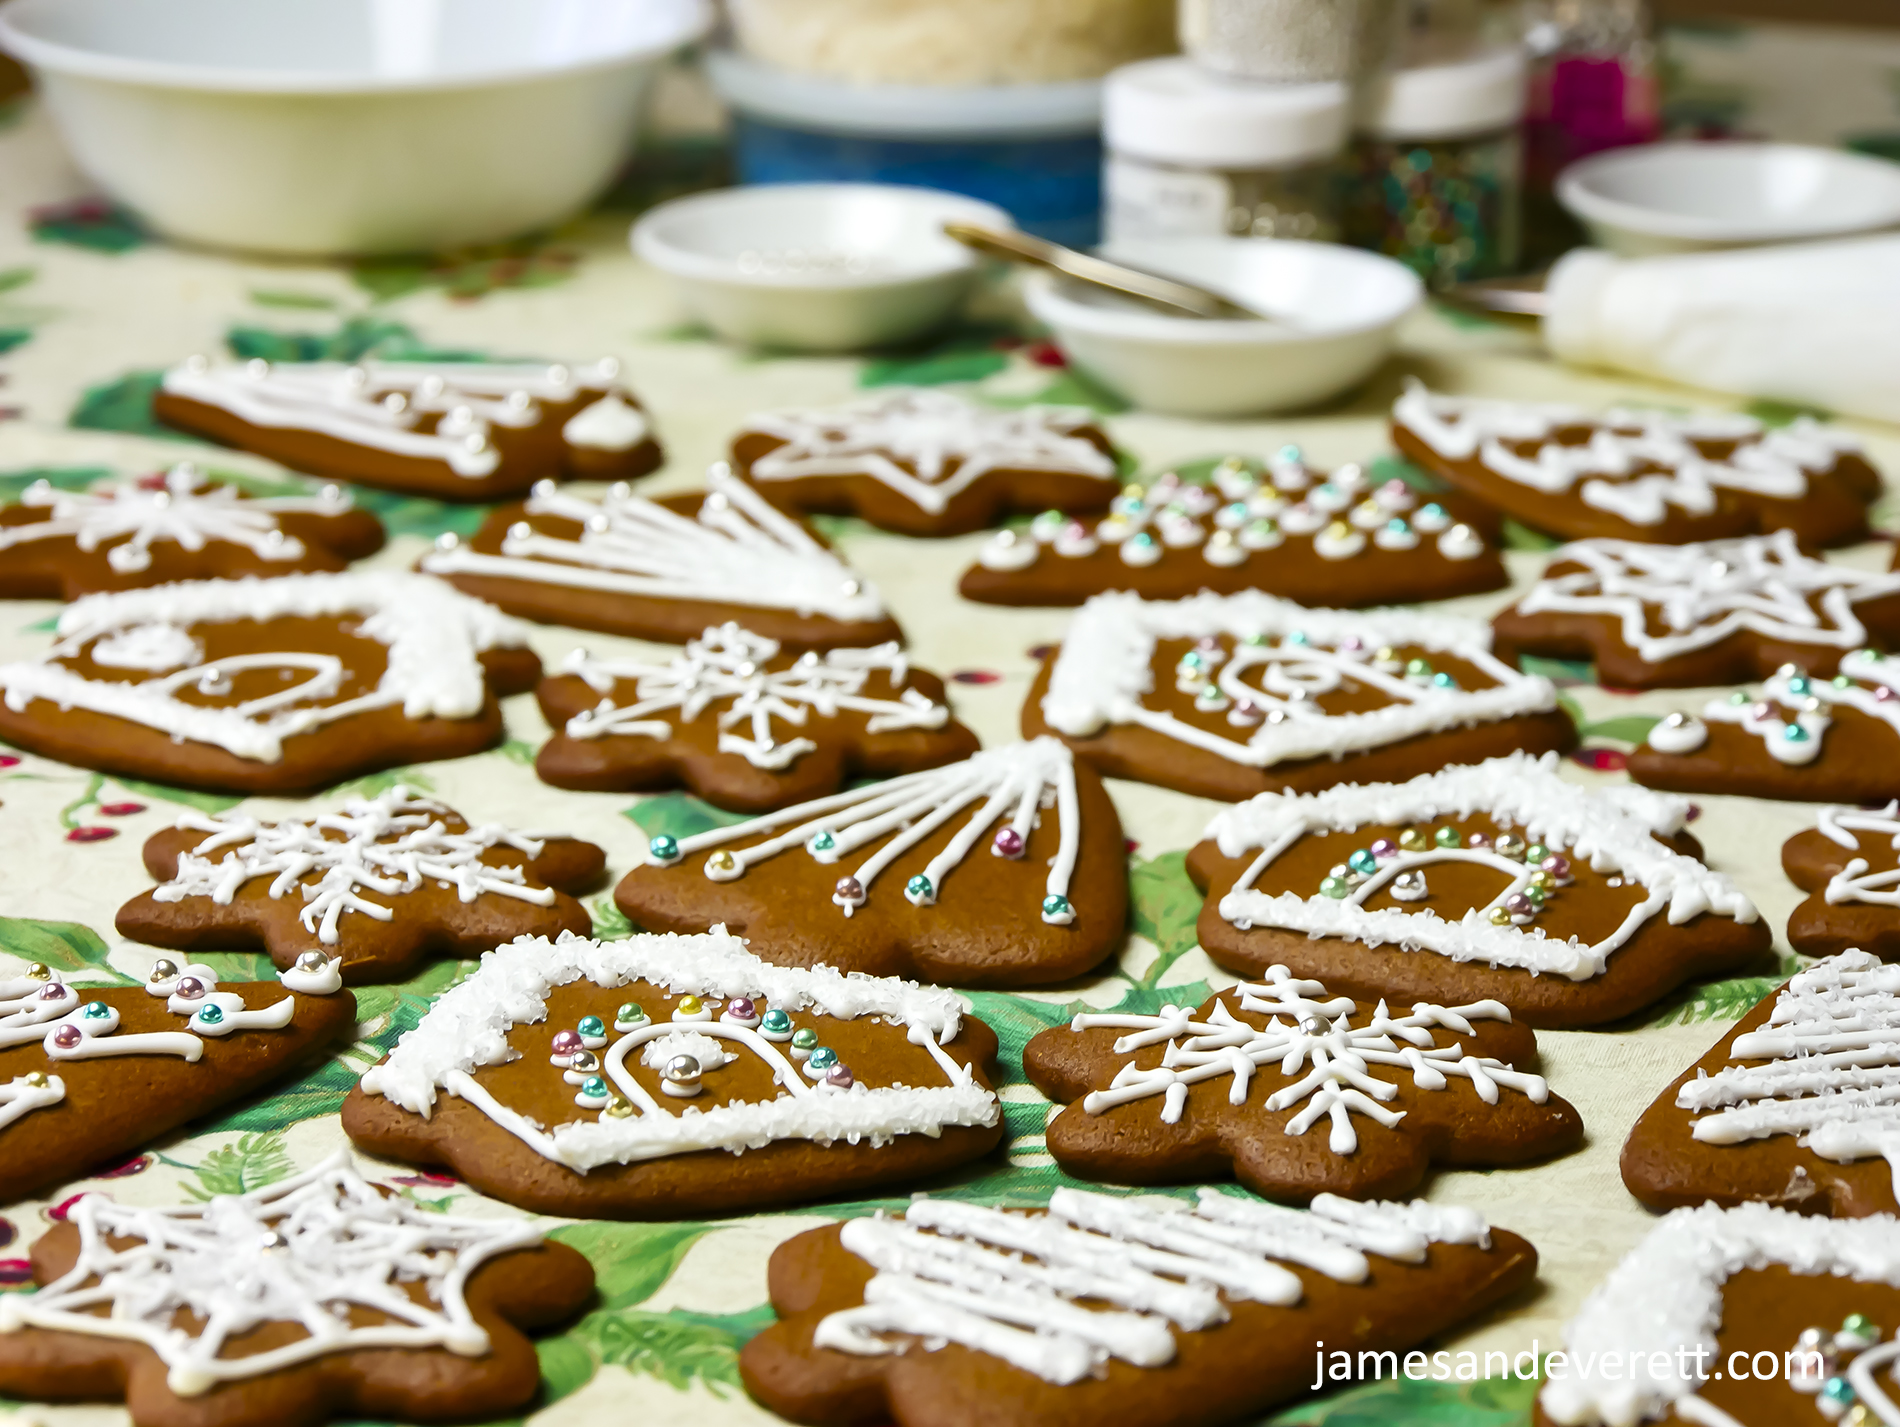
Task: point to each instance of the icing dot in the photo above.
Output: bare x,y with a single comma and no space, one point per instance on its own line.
1841,681
1794,733
67,1036
1838,1389
1884,693
839,1077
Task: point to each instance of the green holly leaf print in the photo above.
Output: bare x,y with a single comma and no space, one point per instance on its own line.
238,965
356,339
631,1261
301,301
610,923
419,515
677,1347
1722,1000
65,478
1785,413
12,278
1564,673
124,404
1631,728
1515,536
1164,905
469,273
91,223
252,1162
679,815
1071,388
518,750
64,946
11,337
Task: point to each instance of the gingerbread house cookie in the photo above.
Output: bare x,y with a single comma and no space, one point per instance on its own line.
1849,865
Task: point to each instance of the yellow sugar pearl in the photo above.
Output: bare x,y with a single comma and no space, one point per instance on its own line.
35,1080
1412,840
618,1109
39,971
690,1006
1500,917
722,861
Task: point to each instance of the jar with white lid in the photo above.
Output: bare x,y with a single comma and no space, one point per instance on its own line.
1197,154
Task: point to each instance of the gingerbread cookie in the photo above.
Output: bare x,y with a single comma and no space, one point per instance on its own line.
923,462
122,535
380,883
665,1077
1245,1084
1331,541
1849,865
453,430
1107,1311
1007,869
320,1297
744,724
268,686
1225,697
1642,475
665,569
1677,1332
1500,881
89,1074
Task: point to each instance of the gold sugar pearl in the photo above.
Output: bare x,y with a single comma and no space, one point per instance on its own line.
35,1080
618,1109
1500,917
721,861
690,1006
39,971
1412,840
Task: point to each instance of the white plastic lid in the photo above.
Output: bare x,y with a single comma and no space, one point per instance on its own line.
1446,101
1173,111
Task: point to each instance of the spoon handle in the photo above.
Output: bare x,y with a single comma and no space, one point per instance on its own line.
1163,292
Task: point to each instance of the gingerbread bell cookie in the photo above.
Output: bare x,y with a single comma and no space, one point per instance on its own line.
1849,865
1228,696
1642,475
1274,1080
89,1074
1110,1311
1500,881
743,723
1006,869
679,1076
379,883
665,569
268,686
320,1297
923,462
453,430
121,535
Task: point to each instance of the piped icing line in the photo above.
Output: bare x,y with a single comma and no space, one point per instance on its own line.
304,1251
23,1094
1869,683
1014,1286
1104,671
926,445
1857,881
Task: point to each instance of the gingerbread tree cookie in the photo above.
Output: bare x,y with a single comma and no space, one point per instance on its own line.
1225,697
744,724
268,686
1115,1312
1498,881
1006,869
679,1076
1849,865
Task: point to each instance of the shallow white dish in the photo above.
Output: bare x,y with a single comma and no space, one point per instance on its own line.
816,267
1673,198
1340,308
348,126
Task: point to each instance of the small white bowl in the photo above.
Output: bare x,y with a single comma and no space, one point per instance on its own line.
816,267
1339,307
1675,198
348,126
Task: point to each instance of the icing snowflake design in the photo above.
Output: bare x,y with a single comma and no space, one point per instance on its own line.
1017,782
927,445
182,510
1869,682
309,1251
727,663
1857,881
737,550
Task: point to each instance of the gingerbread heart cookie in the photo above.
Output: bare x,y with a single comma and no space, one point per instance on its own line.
268,686
1112,1312
923,462
744,724
1007,869
121,535
1225,697
381,883
89,1074
1849,865
675,1077
453,430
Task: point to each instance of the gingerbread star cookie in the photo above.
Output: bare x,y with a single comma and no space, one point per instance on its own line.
89,1074
1498,881
744,724
122,535
1006,869
679,1076
1109,1311
453,430
381,883
319,1297
923,462
1849,865
665,569
1228,696
268,686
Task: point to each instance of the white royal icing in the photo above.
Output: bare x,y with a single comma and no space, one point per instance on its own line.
326,981
1857,882
611,424
1869,682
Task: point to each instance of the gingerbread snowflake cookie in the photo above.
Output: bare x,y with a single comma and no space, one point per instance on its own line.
268,686
677,1076
380,883
122,535
1225,697
744,724
1498,881
89,1074
924,462
454,430
1642,475
1117,1312
321,1296
1849,865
